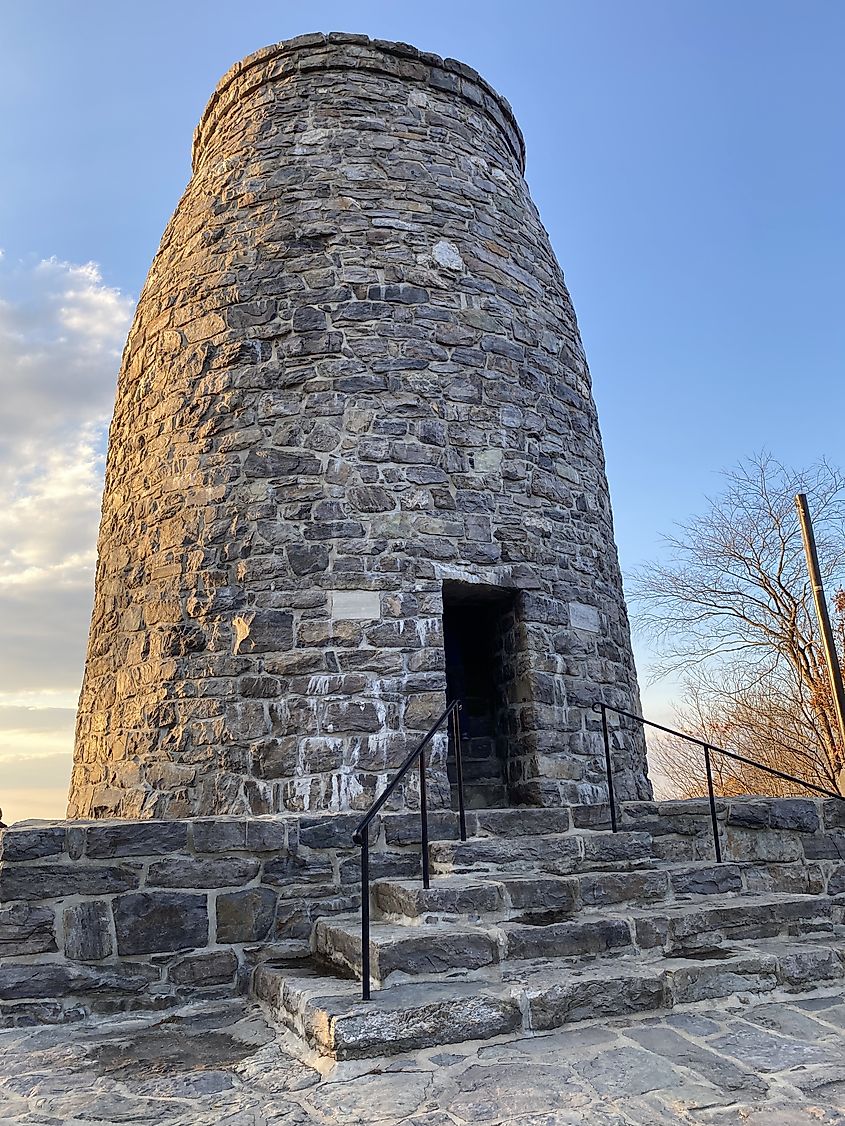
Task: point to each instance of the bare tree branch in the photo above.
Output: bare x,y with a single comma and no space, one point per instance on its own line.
732,610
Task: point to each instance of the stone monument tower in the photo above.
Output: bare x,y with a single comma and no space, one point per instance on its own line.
354,468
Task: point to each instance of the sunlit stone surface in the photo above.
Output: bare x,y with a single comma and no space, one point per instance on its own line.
355,466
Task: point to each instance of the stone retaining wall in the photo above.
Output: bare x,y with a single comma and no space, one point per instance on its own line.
805,831
107,915
118,914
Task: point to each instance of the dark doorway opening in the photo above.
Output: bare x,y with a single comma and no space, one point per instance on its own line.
479,626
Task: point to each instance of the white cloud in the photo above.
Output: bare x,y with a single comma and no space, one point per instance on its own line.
61,333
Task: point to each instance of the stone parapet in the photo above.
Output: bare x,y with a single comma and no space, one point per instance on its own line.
106,915
343,51
809,832
97,916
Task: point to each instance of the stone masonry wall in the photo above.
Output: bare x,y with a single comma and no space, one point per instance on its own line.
112,915
806,836
118,914
354,373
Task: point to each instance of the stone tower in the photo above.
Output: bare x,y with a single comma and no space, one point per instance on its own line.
354,467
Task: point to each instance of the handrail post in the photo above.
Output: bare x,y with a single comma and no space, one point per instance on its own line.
608,765
459,771
424,821
713,818
365,914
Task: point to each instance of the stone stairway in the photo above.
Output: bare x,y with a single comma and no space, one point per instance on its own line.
526,928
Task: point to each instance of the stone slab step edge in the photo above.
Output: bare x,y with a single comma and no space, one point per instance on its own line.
330,1016
502,894
430,950
556,853
507,822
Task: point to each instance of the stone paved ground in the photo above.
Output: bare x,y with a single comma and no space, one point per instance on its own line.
765,1064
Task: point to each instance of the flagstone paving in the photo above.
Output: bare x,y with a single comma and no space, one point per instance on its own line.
775,1063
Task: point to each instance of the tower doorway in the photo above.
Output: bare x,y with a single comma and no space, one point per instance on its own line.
479,629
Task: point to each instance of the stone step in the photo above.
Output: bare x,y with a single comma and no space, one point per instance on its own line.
503,894
431,949
483,769
557,854
690,928
484,795
330,1016
509,821
518,821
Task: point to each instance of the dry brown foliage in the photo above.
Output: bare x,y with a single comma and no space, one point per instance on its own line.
732,610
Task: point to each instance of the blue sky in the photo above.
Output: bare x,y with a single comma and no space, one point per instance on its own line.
687,159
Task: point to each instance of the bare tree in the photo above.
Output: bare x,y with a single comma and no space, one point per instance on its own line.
732,610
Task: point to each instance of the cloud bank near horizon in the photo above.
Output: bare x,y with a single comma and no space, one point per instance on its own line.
62,329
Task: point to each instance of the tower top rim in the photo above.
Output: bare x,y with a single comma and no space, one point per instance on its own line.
343,50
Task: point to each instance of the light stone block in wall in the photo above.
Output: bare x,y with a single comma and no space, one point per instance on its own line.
363,605
584,617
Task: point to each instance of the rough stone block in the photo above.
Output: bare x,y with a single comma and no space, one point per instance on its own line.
297,870
295,918
417,1017
263,631
404,828
349,716
31,841
332,830
511,823
769,845
809,966
602,888
825,846
57,979
749,814
834,813
541,893
382,865
705,981
217,967
651,931
87,931
26,928
411,899
189,872
798,814
565,940
153,922
269,834
556,854
135,838
245,916
716,880
591,816
587,997
218,834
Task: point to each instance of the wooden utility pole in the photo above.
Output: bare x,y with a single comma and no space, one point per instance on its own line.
831,656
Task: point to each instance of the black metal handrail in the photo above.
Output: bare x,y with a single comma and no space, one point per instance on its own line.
709,749
361,836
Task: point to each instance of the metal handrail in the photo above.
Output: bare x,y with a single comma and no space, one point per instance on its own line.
709,749
361,836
